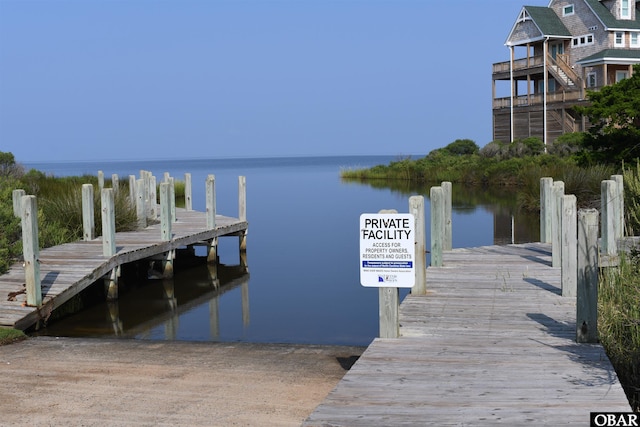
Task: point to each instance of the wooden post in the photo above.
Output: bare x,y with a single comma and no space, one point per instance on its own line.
31,251
172,198
133,198
212,245
115,183
389,312
165,211
17,202
88,213
188,201
165,226
211,201
437,225
569,256
416,208
556,223
100,181
546,184
141,209
587,292
108,223
620,209
448,232
153,198
242,209
609,217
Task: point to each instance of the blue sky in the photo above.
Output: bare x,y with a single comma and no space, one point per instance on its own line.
149,79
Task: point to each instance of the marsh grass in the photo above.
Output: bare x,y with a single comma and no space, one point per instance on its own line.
10,335
583,182
631,176
60,206
619,322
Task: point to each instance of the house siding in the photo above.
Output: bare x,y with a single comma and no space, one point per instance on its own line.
525,31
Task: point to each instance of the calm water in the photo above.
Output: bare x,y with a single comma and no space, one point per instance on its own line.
303,284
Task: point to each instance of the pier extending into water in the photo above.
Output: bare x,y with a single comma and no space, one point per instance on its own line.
492,335
492,342
31,290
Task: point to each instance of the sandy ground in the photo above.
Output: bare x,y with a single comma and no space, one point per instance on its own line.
84,382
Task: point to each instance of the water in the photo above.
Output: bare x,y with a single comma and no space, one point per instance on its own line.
302,253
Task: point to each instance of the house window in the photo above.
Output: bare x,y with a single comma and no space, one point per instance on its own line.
621,75
567,10
592,80
619,39
582,40
635,39
625,10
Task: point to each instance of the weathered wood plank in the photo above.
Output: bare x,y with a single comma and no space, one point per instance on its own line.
487,345
67,269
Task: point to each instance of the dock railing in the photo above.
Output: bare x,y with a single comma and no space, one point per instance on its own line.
142,196
576,248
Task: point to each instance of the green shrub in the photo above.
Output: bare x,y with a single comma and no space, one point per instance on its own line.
631,176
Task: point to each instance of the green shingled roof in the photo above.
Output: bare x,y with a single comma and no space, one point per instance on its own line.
609,20
547,21
630,55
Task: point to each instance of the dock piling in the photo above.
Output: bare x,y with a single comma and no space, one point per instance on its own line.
416,208
88,212
30,250
587,290
437,225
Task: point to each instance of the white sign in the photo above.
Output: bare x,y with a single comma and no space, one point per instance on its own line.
387,250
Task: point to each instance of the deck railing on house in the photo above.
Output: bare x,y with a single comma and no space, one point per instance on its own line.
537,99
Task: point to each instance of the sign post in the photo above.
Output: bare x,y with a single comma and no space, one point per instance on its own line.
387,251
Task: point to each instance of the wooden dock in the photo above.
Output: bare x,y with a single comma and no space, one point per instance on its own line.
493,342
69,268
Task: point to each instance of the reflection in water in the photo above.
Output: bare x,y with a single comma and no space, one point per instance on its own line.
510,223
153,308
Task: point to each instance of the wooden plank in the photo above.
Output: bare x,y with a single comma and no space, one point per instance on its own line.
69,268
487,345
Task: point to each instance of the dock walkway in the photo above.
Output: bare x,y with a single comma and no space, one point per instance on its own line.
67,269
493,342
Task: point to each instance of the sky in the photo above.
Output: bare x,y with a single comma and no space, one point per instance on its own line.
95,80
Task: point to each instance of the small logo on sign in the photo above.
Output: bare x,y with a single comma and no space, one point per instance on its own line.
388,278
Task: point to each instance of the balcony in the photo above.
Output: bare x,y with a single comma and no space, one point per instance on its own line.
537,99
518,64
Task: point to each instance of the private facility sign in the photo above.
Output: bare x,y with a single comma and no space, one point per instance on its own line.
387,250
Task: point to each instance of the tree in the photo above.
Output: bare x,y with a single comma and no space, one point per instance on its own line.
461,147
8,165
615,115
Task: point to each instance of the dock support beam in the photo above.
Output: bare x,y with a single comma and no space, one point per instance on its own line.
17,202
109,240
610,217
437,225
546,185
447,244
556,223
620,208
30,250
587,292
389,312
416,208
242,209
88,221
188,192
569,272
212,245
